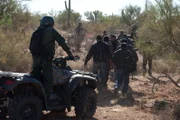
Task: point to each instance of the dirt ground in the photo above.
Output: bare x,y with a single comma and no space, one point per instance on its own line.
138,105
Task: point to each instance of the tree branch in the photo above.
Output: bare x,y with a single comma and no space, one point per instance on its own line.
172,80
163,82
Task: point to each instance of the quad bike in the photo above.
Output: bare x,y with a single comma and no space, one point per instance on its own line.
22,97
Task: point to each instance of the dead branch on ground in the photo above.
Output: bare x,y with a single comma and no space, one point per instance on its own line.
160,82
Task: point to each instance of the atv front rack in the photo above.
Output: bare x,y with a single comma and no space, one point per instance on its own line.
86,73
11,74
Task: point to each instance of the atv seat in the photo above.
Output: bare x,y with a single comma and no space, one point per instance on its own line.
60,81
61,76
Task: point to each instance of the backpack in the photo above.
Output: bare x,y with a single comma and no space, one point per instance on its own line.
36,46
100,54
130,62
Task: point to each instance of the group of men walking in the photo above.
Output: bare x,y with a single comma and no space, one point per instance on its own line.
108,52
113,52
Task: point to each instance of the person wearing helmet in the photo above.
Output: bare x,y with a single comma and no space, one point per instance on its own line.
42,63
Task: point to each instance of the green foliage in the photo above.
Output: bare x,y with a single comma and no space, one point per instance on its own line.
7,7
97,19
160,105
13,52
15,26
94,16
62,17
161,26
129,16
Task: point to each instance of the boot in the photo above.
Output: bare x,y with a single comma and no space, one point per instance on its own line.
144,73
149,72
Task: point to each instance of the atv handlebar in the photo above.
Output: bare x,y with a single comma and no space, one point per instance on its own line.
75,58
61,61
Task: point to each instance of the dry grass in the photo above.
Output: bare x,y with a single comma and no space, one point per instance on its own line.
166,66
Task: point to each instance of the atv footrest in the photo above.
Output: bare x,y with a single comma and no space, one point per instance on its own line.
57,107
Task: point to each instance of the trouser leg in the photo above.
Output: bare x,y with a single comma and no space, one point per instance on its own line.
47,76
118,78
104,72
126,82
144,65
150,66
36,69
95,68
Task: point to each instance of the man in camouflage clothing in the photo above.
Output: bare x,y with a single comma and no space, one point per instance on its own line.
42,64
148,54
79,36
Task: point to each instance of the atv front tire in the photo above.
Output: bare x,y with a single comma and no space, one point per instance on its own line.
25,108
85,106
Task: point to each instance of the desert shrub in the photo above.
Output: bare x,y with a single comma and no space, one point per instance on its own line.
14,53
171,113
165,66
176,113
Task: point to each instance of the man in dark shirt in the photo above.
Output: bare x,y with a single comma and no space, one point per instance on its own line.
113,43
101,55
121,73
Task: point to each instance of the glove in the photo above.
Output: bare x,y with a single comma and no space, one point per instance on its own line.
71,57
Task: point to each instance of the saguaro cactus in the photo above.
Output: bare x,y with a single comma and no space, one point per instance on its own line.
69,11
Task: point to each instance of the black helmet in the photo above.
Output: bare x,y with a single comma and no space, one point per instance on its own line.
123,45
47,21
124,40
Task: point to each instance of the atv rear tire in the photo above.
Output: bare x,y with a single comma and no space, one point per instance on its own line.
3,113
25,108
85,106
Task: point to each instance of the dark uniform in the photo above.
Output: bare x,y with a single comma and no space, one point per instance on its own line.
42,65
100,66
130,47
121,74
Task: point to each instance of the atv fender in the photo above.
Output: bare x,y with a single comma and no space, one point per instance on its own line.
80,80
28,80
24,81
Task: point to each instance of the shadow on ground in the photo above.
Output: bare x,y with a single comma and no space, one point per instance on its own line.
56,116
108,98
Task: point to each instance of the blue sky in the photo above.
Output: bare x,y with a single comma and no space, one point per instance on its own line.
106,6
